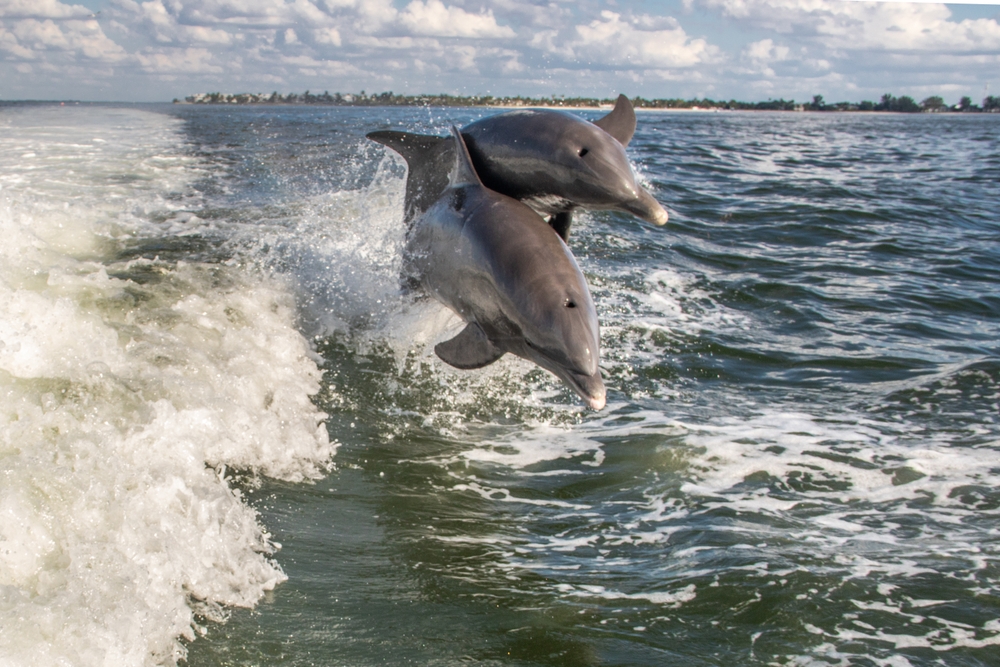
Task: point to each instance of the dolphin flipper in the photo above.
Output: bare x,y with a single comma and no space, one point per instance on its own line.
469,349
428,159
620,123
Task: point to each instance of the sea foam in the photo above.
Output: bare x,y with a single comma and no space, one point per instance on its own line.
129,386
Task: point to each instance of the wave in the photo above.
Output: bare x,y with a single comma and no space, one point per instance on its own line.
131,386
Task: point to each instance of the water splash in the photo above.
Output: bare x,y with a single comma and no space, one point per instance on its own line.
129,386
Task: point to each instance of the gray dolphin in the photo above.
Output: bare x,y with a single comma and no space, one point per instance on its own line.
498,265
552,160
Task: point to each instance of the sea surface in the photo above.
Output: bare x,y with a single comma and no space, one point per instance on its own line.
226,440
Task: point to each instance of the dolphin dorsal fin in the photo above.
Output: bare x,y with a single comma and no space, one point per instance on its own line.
415,148
620,123
463,173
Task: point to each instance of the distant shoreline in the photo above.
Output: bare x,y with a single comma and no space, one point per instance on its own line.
904,104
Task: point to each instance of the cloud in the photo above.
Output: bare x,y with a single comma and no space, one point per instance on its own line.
765,51
644,42
180,61
433,18
855,50
778,47
758,57
34,39
327,36
42,9
328,22
209,35
365,17
867,26
10,44
462,58
425,45
536,14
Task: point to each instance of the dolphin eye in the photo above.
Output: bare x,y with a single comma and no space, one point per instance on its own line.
570,303
584,151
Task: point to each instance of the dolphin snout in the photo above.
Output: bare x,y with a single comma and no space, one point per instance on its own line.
579,371
582,361
646,207
591,389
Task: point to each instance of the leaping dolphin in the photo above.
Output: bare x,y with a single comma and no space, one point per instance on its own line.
498,265
551,160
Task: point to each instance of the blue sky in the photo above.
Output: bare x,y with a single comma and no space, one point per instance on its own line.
155,50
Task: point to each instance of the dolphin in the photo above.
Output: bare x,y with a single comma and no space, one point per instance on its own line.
498,265
552,160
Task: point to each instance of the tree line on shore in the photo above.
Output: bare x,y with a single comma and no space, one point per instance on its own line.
888,102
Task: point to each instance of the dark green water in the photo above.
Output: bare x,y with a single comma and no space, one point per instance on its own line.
799,462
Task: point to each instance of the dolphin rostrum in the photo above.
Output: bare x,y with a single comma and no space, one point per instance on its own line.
500,267
551,160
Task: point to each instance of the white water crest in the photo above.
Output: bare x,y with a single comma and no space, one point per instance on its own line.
129,385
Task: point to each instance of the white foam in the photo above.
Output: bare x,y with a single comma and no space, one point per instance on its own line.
675,302
124,402
668,599
832,492
544,443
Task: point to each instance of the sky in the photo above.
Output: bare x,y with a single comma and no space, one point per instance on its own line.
750,50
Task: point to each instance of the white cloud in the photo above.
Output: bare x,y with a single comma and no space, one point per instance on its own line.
537,14
638,43
425,45
868,26
42,9
462,58
180,61
10,44
364,16
765,51
512,66
758,57
798,47
321,67
435,19
209,35
859,50
34,39
327,36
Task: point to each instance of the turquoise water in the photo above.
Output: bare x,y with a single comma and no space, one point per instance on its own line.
798,464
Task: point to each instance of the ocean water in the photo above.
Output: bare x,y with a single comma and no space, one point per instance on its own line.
226,439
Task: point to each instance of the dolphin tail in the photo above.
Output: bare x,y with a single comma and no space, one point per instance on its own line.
414,148
469,349
620,123
428,159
